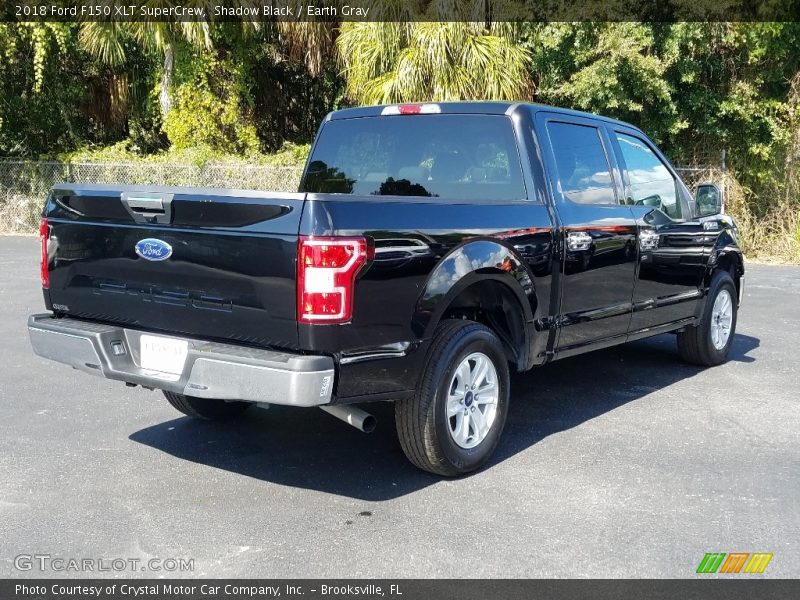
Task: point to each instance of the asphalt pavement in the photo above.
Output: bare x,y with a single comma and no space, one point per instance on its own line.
621,463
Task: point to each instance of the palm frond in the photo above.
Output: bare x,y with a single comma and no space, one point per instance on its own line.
307,42
103,40
464,60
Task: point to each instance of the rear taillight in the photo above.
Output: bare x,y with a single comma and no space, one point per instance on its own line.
44,235
326,275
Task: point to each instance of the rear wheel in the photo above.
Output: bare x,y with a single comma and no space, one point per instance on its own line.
453,423
206,408
709,342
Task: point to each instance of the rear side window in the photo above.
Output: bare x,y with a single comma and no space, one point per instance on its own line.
457,157
583,170
651,183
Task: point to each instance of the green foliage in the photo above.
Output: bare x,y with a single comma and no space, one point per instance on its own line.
212,91
407,62
288,103
44,39
696,88
207,106
43,92
286,90
106,41
608,68
733,87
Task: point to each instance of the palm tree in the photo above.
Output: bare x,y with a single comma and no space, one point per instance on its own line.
310,43
386,62
104,40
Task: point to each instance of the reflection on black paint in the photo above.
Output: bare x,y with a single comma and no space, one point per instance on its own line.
672,263
330,179
422,251
401,187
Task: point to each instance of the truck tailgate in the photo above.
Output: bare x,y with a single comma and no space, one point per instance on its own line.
211,264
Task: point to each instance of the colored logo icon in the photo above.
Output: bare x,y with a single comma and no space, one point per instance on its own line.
153,249
735,562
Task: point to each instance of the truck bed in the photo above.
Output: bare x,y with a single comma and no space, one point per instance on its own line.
231,273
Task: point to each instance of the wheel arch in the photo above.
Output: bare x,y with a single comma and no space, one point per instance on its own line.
483,281
726,258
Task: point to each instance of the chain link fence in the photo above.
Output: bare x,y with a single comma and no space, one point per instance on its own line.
24,184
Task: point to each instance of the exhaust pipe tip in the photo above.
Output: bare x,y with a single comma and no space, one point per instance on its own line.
360,419
369,424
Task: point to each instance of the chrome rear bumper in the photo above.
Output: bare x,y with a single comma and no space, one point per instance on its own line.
211,370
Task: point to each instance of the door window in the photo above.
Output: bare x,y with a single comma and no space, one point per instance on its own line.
583,170
651,183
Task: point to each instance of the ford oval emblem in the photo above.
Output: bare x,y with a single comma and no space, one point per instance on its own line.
153,249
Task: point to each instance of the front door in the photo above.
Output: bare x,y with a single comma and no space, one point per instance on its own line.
672,246
598,234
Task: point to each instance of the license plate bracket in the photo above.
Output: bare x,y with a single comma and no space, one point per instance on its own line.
163,354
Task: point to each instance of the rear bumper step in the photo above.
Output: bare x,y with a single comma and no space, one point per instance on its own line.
211,369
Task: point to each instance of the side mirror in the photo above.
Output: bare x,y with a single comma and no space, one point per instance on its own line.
708,199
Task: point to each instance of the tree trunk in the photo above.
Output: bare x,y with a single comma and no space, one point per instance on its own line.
166,80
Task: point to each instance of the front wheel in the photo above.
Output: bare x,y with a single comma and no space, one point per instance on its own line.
453,423
709,342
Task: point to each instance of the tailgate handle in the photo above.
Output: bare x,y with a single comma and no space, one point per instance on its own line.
148,207
155,205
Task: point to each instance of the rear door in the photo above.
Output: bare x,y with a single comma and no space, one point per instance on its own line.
598,234
212,264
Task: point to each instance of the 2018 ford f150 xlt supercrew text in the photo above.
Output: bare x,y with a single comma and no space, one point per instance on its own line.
431,248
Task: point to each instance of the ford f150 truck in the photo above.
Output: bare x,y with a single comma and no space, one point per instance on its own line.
430,249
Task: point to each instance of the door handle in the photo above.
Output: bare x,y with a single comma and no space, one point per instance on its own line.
578,240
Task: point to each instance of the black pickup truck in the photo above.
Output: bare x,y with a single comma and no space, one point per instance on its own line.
430,249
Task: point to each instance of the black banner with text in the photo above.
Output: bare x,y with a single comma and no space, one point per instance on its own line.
400,589
399,10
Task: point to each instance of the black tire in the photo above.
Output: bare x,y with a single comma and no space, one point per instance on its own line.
422,422
206,408
694,343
